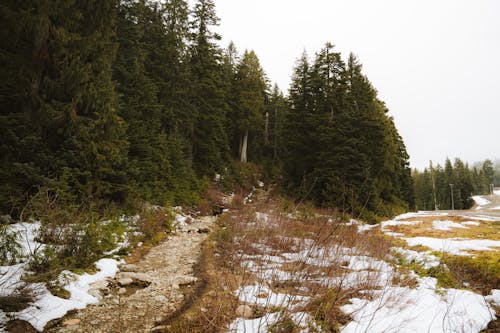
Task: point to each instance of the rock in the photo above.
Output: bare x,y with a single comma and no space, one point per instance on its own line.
244,311
160,298
122,291
140,277
203,230
160,328
184,280
71,322
125,281
95,292
101,284
129,268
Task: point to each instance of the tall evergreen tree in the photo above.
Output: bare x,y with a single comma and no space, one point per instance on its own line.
149,166
250,90
210,142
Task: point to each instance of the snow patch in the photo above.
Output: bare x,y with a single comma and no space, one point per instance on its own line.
480,201
260,295
494,297
48,307
454,245
474,223
26,235
180,220
424,259
446,225
424,309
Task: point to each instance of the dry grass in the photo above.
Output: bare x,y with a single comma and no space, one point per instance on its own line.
486,229
259,240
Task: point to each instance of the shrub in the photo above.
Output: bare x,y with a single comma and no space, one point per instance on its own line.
153,224
9,246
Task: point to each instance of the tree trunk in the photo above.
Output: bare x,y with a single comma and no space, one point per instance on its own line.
275,136
244,144
266,130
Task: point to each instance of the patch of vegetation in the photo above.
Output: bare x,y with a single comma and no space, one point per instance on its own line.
9,246
481,272
284,325
444,276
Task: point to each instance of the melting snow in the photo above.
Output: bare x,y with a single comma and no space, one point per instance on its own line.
454,245
48,307
402,309
425,259
480,200
446,225
261,295
471,223
494,297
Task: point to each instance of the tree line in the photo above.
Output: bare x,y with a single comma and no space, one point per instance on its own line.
435,186
114,100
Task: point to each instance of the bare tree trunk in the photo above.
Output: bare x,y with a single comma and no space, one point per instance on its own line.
266,130
244,144
275,136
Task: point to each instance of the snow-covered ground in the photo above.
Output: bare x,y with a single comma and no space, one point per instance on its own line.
46,306
446,225
425,308
388,306
480,201
453,245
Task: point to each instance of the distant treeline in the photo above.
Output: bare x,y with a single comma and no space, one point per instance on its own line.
115,100
435,185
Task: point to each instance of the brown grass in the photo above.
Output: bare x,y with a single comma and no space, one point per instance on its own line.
486,230
242,235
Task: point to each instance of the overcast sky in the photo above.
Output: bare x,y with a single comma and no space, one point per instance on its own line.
436,63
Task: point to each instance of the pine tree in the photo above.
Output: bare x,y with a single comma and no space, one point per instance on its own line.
210,142
149,167
299,155
250,90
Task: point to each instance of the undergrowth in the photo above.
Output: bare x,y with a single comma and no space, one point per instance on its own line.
266,229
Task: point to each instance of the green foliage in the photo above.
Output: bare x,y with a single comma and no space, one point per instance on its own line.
154,223
9,246
481,272
133,101
348,153
433,189
78,246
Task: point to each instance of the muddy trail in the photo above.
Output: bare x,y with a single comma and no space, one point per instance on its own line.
145,294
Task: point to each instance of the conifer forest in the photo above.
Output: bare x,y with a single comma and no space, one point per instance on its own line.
153,177
116,101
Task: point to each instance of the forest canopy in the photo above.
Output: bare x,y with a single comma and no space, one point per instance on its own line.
112,101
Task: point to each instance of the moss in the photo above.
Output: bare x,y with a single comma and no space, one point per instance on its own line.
481,272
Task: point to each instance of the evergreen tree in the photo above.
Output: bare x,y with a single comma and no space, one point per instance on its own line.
250,90
149,166
210,142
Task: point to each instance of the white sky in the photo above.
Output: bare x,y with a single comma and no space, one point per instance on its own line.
436,63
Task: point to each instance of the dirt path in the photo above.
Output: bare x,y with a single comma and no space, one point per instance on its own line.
144,294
